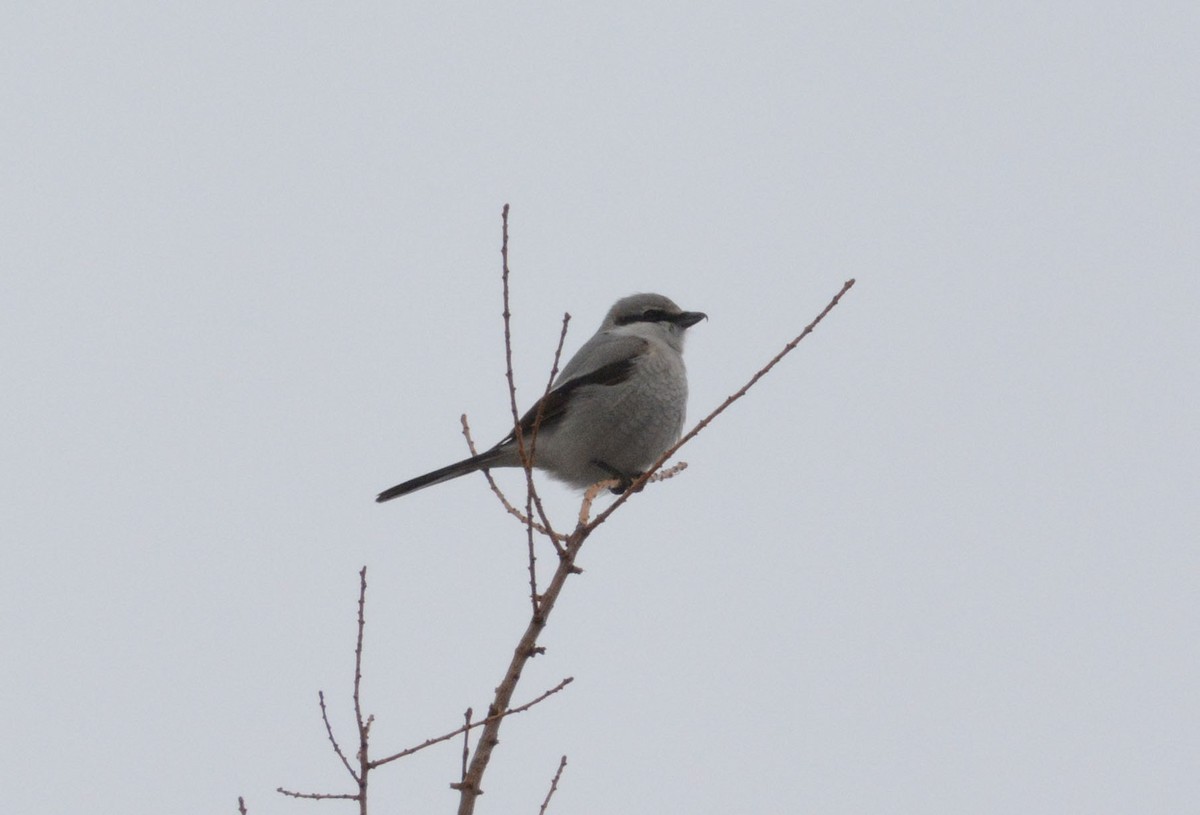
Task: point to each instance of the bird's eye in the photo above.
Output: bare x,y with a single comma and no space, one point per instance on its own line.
654,315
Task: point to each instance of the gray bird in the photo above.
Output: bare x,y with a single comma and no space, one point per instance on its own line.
617,405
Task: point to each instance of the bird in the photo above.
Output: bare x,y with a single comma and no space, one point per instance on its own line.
617,405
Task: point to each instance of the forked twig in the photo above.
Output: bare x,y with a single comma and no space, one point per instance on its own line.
492,717
366,763
558,537
363,724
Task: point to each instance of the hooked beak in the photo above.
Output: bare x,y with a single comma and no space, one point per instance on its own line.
687,319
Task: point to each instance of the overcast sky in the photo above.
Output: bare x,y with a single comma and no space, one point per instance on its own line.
943,559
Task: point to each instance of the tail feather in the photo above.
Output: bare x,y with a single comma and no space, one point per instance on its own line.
491,458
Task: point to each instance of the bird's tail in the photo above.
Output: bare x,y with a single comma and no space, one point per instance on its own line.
496,457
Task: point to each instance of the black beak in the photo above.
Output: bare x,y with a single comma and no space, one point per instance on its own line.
687,319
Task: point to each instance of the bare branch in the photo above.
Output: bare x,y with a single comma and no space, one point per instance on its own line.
241,806
364,725
466,429
558,537
518,434
332,739
562,763
531,495
508,366
537,424
466,753
492,718
317,796
533,592
526,648
526,452
358,650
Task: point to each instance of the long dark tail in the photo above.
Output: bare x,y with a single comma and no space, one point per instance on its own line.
490,458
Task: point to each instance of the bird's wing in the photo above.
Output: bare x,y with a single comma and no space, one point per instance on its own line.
601,350
610,360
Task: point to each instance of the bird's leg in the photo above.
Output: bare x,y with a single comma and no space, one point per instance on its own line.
626,480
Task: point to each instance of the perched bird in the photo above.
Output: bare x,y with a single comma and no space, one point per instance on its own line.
617,405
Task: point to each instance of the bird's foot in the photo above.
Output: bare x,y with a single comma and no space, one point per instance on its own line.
625,480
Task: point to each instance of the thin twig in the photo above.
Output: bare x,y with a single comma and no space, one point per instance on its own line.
526,460
466,753
537,423
358,649
491,718
508,366
364,726
332,740
318,796
526,452
466,430
531,495
533,592
562,763
558,537
241,806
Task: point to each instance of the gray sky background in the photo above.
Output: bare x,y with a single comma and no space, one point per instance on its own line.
944,559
